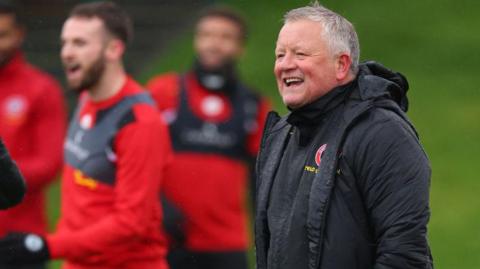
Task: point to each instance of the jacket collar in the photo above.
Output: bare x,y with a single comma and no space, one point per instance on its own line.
310,116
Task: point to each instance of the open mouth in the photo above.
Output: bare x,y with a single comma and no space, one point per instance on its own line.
72,68
292,81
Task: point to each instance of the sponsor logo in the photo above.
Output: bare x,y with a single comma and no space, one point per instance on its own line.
318,160
75,149
82,180
311,169
209,136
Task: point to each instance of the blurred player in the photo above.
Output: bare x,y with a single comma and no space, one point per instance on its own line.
115,151
215,124
32,120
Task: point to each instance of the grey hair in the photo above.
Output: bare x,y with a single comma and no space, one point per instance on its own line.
338,31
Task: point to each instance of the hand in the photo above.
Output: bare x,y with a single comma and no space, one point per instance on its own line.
23,248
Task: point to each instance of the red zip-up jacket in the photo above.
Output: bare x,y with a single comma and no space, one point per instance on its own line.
209,189
106,226
32,120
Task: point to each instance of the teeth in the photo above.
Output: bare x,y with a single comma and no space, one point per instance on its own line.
288,81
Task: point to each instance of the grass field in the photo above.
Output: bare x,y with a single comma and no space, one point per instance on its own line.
436,45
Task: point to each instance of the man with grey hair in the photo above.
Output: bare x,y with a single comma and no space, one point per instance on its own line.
343,181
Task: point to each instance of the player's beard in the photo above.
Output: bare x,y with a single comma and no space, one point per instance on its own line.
219,78
92,75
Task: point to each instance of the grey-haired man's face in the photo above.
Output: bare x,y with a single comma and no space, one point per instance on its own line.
304,66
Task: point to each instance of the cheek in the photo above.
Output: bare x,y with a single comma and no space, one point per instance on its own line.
6,43
276,71
199,44
90,55
314,74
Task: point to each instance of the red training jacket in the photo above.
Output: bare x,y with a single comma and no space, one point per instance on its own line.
32,120
104,226
209,189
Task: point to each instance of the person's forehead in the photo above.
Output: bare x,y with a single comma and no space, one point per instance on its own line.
299,33
207,22
83,26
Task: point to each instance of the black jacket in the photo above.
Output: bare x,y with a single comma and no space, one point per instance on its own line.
367,205
12,184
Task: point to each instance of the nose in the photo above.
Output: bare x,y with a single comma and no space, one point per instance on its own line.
286,62
66,51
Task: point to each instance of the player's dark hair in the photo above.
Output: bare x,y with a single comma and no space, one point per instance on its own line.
229,14
9,7
115,19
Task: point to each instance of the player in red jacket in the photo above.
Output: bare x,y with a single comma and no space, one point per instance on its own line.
32,120
215,123
115,152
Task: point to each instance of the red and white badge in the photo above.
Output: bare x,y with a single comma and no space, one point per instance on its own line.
212,105
15,109
318,155
86,121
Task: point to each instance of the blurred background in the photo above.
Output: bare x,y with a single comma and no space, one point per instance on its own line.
434,43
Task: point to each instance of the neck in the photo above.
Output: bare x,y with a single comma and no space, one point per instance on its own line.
109,84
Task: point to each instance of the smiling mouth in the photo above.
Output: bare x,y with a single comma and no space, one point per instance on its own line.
292,81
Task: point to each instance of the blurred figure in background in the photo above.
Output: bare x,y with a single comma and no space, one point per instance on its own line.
32,120
115,151
215,124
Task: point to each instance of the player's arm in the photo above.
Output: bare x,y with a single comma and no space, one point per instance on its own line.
394,174
48,131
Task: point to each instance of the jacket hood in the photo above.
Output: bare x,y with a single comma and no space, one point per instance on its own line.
376,81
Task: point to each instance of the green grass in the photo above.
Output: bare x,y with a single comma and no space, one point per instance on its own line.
436,45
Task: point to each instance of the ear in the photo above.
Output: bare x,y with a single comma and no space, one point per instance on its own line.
343,64
115,49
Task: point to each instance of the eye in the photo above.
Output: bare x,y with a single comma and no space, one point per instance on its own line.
279,56
80,43
300,55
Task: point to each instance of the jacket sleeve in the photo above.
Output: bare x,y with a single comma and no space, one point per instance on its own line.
142,151
12,185
395,174
48,131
